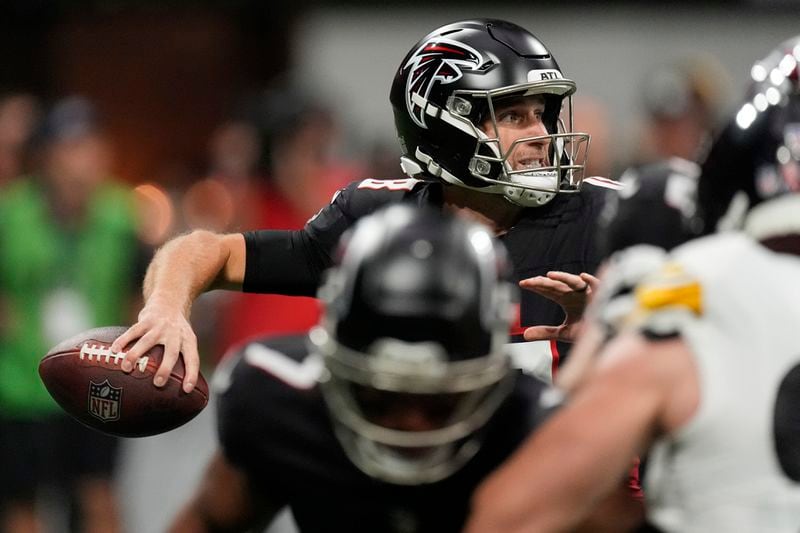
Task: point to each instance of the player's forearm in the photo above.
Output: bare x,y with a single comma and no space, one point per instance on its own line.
194,518
223,502
189,521
497,509
619,511
578,457
553,497
191,264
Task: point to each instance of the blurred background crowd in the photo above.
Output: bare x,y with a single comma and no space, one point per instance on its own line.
134,121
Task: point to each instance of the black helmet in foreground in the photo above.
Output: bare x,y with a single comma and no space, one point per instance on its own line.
756,158
417,313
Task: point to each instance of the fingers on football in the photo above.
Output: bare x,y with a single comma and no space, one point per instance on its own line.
191,362
132,333
143,345
185,345
171,353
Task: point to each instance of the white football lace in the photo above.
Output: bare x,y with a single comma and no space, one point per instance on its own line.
92,351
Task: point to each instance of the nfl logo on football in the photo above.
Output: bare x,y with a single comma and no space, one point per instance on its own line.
104,401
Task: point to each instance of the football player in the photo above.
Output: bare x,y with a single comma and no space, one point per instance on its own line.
401,401
702,367
656,206
483,115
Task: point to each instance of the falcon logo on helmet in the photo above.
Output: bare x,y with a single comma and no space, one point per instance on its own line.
439,60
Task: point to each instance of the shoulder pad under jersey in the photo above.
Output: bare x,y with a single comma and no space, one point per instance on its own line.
370,194
359,199
284,359
642,289
667,298
604,183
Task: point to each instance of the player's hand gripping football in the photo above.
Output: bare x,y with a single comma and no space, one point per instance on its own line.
572,292
162,322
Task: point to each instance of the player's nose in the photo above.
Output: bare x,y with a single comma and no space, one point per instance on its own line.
537,134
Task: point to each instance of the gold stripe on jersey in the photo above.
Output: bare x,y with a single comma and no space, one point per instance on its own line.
672,287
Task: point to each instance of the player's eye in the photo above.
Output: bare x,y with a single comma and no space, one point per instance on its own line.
511,116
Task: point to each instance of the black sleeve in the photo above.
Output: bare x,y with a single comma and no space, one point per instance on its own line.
283,262
292,262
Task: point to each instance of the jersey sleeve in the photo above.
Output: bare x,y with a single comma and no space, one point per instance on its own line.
283,262
292,262
357,200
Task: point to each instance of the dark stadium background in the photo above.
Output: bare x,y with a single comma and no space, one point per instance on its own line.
166,71
165,74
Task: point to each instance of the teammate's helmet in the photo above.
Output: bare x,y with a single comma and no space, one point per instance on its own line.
757,156
656,206
450,83
417,315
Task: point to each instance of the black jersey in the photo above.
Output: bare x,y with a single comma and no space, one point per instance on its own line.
557,236
274,425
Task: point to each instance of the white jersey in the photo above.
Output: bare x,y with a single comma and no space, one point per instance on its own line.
737,305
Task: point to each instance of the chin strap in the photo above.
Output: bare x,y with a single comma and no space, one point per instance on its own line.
529,197
430,167
519,196
514,195
410,167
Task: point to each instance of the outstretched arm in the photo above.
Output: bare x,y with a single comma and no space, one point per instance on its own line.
180,271
579,456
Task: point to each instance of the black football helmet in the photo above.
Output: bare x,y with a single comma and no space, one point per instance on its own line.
417,314
450,83
655,206
757,156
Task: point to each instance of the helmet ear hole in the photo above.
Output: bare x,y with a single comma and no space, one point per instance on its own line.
480,113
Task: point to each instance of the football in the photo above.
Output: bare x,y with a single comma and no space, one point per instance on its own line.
87,381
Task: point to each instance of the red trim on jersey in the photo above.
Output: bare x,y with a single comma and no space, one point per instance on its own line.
634,483
516,327
556,356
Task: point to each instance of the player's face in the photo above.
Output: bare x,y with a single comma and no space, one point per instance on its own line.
518,118
407,412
